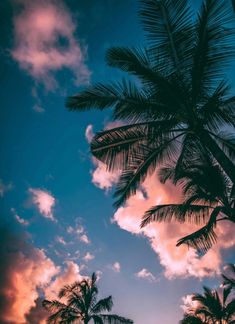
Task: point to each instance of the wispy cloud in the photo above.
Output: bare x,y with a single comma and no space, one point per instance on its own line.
61,240
79,232
45,42
88,257
4,187
89,133
19,219
116,267
146,274
44,201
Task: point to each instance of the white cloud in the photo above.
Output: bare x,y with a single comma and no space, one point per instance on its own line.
116,267
85,239
89,133
101,177
44,201
188,303
4,187
88,257
61,240
44,35
146,274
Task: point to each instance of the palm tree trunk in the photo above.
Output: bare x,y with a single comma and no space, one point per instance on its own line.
218,154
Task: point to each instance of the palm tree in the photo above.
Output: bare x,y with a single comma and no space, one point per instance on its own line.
191,319
208,199
180,101
215,308
82,305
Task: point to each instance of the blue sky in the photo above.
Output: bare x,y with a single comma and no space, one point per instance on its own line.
46,188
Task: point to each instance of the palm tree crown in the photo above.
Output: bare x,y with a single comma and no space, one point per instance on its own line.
208,199
181,101
82,305
214,308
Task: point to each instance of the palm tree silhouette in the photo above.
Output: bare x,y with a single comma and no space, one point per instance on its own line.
215,308
82,305
191,319
180,101
209,198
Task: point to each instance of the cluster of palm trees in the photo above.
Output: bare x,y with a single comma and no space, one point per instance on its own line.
81,305
177,115
214,306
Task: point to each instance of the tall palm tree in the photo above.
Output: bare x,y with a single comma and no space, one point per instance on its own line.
82,305
181,99
208,199
215,308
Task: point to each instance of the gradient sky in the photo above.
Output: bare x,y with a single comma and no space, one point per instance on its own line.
57,218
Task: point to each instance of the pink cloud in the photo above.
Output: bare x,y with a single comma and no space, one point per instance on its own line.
146,274
44,202
177,261
189,303
69,275
89,133
101,177
24,271
85,239
39,30
88,257
116,267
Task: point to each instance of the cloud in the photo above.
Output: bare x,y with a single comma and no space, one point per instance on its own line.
69,275
24,270
27,276
101,177
4,187
116,267
79,232
84,238
19,219
88,257
61,240
189,303
44,202
177,261
146,274
89,133
45,42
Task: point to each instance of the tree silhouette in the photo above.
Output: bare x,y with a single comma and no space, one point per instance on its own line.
191,319
213,307
180,102
208,199
82,305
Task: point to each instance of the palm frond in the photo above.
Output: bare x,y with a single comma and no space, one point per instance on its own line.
181,213
103,305
114,147
114,319
101,96
168,27
213,47
203,239
144,162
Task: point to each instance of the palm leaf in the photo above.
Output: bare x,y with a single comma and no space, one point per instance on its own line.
103,305
143,163
114,319
197,214
203,239
168,28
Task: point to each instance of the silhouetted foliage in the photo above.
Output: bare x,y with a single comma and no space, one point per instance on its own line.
213,306
208,199
181,101
82,305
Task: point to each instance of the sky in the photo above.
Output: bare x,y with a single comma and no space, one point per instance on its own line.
57,219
